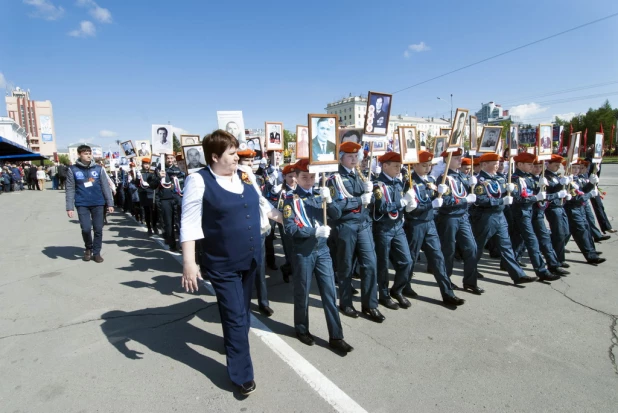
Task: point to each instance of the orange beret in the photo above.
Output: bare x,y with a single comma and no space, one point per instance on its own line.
389,157
302,165
525,157
458,152
563,162
538,162
556,158
476,161
247,153
466,161
131,163
289,169
349,147
489,157
145,160
424,156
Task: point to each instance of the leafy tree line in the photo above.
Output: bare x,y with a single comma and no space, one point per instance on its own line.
592,120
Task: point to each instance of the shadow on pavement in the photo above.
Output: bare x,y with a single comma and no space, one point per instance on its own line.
68,253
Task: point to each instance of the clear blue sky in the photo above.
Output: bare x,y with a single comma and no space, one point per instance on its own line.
142,62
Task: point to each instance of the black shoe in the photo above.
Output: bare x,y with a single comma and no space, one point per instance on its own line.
266,310
521,264
340,345
565,265
548,276
479,275
87,255
356,276
603,238
474,289
389,303
410,293
495,256
98,259
566,251
455,286
306,338
373,314
558,271
354,291
286,277
447,299
596,261
403,302
349,311
599,252
149,232
525,279
247,388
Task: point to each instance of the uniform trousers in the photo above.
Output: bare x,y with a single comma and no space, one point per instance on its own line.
599,211
580,230
149,213
391,243
169,209
544,238
456,230
523,235
594,230
270,247
260,280
559,226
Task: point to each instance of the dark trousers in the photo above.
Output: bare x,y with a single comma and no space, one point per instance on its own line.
578,225
453,231
391,243
544,239
149,213
61,181
89,218
423,234
270,247
233,290
260,280
599,211
594,230
355,240
559,226
305,266
523,235
169,210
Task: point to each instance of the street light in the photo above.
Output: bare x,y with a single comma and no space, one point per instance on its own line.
439,98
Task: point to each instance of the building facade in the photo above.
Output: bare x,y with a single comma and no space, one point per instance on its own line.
10,130
37,119
351,111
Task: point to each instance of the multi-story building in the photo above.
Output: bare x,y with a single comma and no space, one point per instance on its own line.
37,119
351,111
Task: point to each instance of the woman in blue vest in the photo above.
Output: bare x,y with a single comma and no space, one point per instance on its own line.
221,206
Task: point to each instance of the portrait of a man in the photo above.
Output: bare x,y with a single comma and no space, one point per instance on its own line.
439,146
194,157
162,139
473,132
458,130
128,149
233,123
274,141
350,135
423,140
123,161
410,140
545,133
514,138
323,142
573,153
144,149
378,113
302,142
598,145
489,138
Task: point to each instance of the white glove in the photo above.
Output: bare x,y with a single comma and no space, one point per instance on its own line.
322,232
409,197
442,189
368,186
568,197
277,188
562,194
574,185
564,181
594,179
507,200
437,203
594,193
471,198
473,180
411,206
543,181
541,196
510,187
366,199
325,194
378,170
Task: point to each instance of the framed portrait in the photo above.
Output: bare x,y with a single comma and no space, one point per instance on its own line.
445,131
274,136
186,140
323,135
409,144
597,156
350,135
377,148
490,137
302,142
456,138
128,149
378,113
544,144
422,138
474,139
194,157
513,140
396,143
439,146
255,144
143,149
162,139
155,162
232,121
574,144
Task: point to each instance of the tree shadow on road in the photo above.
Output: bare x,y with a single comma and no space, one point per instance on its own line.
71,253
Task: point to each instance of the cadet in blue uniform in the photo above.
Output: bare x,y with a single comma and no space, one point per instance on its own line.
523,198
388,232
421,231
146,196
351,196
222,206
593,179
453,222
555,214
488,218
169,183
597,201
303,217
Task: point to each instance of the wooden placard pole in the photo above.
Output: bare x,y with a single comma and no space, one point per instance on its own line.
510,172
324,205
448,162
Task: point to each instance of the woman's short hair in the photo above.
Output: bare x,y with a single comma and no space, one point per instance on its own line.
216,143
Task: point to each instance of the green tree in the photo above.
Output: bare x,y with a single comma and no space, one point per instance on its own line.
64,159
177,147
288,137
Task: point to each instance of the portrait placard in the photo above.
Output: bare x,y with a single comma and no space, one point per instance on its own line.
231,121
162,139
323,134
128,149
350,135
456,138
186,140
409,144
143,148
302,142
274,136
396,142
155,162
544,144
378,113
422,137
490,137
377,148
194,157
445,131
598,147
439,146
514,140
474,139
255,144
574,143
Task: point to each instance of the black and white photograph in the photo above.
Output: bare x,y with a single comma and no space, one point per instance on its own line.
474,139
409,144
274,136
232,121
143,148
186,140
128,149
350,135
445,131
302,142
396,145
456,139
513,140
194,157
377,148
422,137
574,143
255,144
162,139
439,146
323,134
489,139
378,113
598,146
155,161
544,145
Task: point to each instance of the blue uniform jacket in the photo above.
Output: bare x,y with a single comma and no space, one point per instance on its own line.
455,203
489,193
553,187
426,191
388,214
581,195
348,210
525,190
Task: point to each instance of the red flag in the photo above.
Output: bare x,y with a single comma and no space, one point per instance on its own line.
601,127
561,140
571,125
611,138
586,142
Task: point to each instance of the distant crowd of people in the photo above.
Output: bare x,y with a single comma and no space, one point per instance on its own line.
16,177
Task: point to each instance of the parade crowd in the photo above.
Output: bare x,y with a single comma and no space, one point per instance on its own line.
18,176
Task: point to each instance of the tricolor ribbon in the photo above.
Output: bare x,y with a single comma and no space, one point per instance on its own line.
301,215
387,198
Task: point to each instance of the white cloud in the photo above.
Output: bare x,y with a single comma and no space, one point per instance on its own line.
98,13
86,29
419,47
45,9
2,81
565,116
527,110
107,134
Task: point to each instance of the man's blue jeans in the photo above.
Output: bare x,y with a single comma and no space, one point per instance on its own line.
89,218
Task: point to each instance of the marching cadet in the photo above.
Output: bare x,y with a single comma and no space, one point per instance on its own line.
597,201
351,195
523,199
169,182
555,214
476,166
466,166
279,191
272,180
388,232
303,217
538,220
421,231
146,196
593,179
453,222
488,218
576,214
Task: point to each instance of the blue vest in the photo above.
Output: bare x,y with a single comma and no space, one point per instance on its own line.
231,226
91,195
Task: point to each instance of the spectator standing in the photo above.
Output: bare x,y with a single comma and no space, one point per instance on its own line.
62,175
53,174
34,183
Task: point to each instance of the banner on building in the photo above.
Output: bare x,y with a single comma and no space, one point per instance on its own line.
46,128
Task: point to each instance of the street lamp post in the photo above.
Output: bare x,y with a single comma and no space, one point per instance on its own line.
439,98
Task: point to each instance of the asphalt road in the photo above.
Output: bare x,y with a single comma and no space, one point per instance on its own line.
121,336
